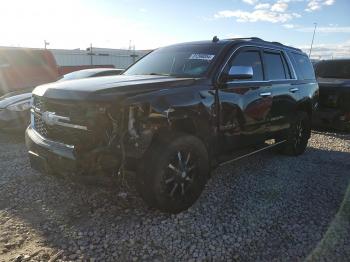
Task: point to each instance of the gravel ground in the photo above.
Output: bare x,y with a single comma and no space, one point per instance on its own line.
267,208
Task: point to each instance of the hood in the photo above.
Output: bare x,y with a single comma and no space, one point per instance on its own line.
13,98
104,88
333,83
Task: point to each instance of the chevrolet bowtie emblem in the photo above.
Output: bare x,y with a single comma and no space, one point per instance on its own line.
50,118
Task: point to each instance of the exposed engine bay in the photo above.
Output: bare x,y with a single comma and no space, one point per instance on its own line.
103,136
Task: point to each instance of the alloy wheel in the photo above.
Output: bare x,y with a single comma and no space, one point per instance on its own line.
180,174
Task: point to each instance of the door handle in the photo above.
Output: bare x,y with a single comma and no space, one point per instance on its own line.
205,94
265,94
294,89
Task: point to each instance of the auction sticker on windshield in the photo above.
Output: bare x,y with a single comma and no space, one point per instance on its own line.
202,57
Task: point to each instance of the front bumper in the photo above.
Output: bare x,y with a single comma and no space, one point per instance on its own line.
331,118
12,120
48,156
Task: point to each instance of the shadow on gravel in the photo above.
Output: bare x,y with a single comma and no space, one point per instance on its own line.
266,207
75,218
336,241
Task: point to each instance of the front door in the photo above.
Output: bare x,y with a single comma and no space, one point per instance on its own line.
245,105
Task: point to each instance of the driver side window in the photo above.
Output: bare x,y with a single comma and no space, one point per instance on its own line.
249,58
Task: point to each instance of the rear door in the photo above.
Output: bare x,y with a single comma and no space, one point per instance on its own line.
285,93
245,104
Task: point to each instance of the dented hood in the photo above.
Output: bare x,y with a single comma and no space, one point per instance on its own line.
106,88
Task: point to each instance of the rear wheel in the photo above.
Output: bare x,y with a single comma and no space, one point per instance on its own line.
297,135
175,173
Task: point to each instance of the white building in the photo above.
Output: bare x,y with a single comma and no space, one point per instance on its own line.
120,58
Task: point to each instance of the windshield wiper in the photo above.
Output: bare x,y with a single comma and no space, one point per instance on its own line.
158,74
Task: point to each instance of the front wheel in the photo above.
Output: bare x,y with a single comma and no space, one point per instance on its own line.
297,135
174,173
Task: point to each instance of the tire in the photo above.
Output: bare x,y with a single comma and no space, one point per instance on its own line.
297,136
174,173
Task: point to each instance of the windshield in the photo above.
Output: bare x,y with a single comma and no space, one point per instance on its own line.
333,69
184,61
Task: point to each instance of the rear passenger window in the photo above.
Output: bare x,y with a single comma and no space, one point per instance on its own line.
305,67
250,58
274,66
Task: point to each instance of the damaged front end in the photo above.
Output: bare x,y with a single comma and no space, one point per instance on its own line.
91,136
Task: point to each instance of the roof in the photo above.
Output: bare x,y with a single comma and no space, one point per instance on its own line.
252,40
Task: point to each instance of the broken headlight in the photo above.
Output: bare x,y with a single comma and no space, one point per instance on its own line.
20,106
136,117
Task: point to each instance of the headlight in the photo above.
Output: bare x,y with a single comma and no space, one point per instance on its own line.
20,106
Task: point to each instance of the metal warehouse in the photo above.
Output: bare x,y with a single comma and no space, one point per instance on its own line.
119,58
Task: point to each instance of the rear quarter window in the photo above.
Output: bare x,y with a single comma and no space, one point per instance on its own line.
304,67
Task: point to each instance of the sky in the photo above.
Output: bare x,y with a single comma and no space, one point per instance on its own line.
149,24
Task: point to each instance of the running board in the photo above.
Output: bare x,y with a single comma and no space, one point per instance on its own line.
251,153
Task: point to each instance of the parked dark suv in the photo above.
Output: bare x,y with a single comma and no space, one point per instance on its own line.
333,77
175,114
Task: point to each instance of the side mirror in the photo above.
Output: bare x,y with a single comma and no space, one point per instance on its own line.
240,72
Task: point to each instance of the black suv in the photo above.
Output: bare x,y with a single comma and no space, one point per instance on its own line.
175,114
333,77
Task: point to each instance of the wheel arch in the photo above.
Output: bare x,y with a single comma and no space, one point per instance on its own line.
305,106
187,125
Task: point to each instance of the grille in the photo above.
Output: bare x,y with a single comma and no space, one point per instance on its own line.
39,104
40,126
67,135
58,133
75,111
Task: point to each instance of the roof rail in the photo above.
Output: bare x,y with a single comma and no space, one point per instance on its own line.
273,42
256,38
276,43
247,38
290,47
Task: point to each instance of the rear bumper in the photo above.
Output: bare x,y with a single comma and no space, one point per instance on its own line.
331,118
47,156
12,120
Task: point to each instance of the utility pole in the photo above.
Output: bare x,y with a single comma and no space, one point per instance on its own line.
313,37
91,61
133,55
46,44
